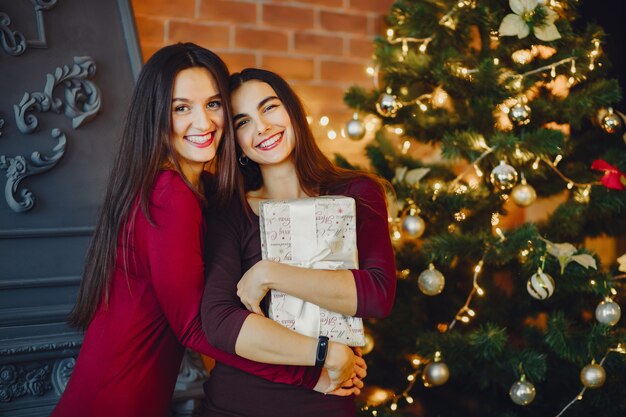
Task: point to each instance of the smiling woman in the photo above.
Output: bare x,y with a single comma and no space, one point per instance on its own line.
197,121
141,288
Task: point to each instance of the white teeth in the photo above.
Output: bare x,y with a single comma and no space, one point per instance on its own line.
270,142
198,139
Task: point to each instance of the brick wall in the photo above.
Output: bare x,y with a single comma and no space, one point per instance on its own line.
321,46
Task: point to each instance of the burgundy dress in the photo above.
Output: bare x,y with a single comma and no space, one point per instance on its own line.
233,246
132,350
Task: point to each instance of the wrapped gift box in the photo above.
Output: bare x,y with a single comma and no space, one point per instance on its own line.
315,233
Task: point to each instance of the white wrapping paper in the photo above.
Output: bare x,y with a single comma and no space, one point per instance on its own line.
317,233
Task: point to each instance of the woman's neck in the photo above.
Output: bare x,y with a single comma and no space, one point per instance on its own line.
280,182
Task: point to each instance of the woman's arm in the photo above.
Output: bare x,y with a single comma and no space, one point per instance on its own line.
365,292
232,328
175,251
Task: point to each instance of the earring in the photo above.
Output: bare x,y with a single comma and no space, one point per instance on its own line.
243,160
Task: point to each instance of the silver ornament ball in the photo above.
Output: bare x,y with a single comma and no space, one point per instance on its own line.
608,312
355,129
387,105
522,393
435,374
431,281
413,226
593,376
540,285
609,121
523,195
503,177
520,114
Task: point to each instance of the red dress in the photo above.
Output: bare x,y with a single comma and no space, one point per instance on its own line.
233,247
133,348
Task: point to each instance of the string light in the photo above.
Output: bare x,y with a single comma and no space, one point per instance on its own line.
618,349
465,313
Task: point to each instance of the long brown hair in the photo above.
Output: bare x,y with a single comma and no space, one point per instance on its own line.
317,175
144,148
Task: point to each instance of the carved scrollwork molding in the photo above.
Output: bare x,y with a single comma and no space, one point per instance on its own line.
82,101
61,373
17,381
13,42
191,370
1,126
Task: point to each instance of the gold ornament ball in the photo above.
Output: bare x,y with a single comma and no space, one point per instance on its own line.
355,129
387,105
522,393
503,177
520,114
369,344
413,226
593,376
608,312
523,195
540,285
435,374
431,281
609,121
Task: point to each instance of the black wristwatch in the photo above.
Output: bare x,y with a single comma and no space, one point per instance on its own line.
322,351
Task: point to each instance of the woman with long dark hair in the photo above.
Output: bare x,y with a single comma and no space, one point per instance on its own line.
140,294
279,160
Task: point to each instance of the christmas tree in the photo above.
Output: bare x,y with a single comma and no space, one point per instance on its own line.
487,110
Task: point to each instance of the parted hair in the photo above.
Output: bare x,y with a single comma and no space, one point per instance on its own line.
144,148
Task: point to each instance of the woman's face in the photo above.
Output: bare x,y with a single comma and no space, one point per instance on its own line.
197,119
262,124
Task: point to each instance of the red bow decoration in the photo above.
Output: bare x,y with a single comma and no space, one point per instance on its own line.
612,178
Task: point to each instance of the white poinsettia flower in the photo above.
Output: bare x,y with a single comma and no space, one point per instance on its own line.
516,23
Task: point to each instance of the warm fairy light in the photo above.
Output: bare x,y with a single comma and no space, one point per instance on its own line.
416,362
465,319
553,72
378,396
370,71
405,47
390,33
592,282
573,67
394,406
423,107
495,219
439,97
437,186
410,377
557,160
422,47
613,291
471,313
332,135
500,233
459,216
406,145
409,399
324,120
478,268
571,80
570,185
399,130
496,61
479,173
524,252
480,291
536,164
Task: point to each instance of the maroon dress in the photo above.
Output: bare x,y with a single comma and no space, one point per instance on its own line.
131,354
233,246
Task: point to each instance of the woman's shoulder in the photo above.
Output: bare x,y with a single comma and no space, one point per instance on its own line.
361,187
170,189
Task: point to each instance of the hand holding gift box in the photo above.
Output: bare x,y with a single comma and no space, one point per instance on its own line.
317,233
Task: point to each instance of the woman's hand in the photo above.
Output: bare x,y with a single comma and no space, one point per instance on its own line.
343,372
253,286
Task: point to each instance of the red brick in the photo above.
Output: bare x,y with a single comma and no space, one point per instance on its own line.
270,40
376,6
377,25
205,35
149,48
328,3
344,71
150,29
168,8
318,44
290,68
238,61
228,11
361,48
287,16
317,97
343,22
